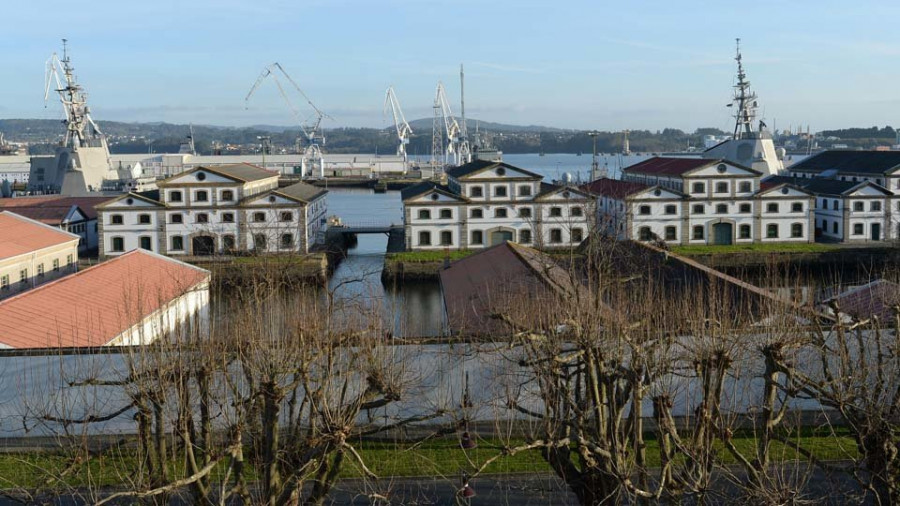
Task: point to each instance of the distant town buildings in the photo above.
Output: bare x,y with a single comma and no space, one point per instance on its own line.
130,300
215,210
701,201
32,253
483,203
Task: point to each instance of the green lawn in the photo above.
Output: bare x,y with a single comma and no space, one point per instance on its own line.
754,248
386,459
428,256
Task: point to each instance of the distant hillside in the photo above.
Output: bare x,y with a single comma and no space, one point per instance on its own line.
425,124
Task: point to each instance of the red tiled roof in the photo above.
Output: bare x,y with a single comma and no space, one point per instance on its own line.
96,305
20,235
671,166
86,204
614,188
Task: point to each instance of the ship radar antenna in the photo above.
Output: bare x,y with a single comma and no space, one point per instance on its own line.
744,100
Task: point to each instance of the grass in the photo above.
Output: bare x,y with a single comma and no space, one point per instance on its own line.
754,248
386,459
428,256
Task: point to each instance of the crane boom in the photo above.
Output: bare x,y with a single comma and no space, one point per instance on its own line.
404,131
451,126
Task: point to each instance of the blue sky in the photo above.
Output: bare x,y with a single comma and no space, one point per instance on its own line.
570,64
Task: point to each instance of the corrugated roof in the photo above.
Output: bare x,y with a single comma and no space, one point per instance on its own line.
302,191
20,235
865,162
96,305
668,166
614,188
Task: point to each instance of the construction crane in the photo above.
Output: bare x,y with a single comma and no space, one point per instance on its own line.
451,126
404,131
311,130
60,77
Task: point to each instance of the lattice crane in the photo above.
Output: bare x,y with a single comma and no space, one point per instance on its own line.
404,131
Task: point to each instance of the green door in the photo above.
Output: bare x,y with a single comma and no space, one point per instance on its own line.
876,231
501,236
722,233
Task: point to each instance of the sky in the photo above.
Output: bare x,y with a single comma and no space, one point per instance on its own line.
567,64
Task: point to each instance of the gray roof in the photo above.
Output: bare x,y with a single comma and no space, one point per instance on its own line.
818,185
863,162
302,191
241,171
479,165
424,187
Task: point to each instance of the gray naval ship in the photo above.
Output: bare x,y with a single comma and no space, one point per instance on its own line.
749,147
81,165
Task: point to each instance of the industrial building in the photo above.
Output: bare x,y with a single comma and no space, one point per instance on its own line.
32,253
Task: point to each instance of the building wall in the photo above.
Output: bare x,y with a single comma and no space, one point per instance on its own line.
174,320
11,269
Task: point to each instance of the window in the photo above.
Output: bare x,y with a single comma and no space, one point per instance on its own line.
4,282
641,210
118,244
116,219
645,234
23,276
69,260
699,188
202,218
424,238
857,229
228,243
175,196
177,243
476,191
835,204
698,232
201,196
524,191
500,213
228,217
227,195
499,191
772,230
524,212
146,243
287,216
699,209
477,213
176,218
721,208
671,233
55,265
797,230
834,228
858,206
287,241
477,237
576,211
824,204
446,214
577,235
745,187
671,209
772,207
796,207
744,231
525,236
144,219
259,217
40,270
876,205
424,214
446,238
745,208
721,187
555,235
556,212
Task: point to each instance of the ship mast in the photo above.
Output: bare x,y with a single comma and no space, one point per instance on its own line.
744,101
74,101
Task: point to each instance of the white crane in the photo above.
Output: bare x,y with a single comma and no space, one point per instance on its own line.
404,131
74,101
451,126
312,154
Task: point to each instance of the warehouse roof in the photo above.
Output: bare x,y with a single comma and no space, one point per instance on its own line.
23,235
864,162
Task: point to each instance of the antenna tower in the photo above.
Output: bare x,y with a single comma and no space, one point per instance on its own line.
744,100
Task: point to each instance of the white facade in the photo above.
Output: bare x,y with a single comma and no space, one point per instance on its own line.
486,203
27,267
209,211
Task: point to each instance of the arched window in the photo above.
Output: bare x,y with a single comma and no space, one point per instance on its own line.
259,242
425,238
797,230
744,232
645,234
424,214
698,232
446,238
772,230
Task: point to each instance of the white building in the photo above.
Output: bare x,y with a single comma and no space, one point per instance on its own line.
213,210
133,299
32,253
485,203
701,201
